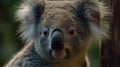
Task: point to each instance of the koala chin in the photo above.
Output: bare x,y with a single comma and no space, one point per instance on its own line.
58,33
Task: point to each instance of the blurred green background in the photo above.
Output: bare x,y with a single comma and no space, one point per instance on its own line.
11,44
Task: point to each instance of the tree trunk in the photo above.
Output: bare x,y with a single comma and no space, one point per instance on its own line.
110,55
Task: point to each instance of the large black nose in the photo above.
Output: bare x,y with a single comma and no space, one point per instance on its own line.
57,40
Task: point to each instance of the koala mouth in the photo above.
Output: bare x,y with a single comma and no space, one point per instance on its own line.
58,51
59,54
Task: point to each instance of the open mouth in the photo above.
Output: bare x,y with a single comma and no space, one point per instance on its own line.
59,54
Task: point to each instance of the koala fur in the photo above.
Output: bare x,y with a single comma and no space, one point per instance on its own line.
58,33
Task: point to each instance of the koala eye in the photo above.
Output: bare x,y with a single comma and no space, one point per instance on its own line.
45,32
71,31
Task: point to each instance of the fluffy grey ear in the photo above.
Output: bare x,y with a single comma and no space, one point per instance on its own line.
29,14
96,14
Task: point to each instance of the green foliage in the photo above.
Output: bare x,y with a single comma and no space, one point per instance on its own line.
9,44
93,54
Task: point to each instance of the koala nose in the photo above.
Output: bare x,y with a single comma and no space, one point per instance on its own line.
57,40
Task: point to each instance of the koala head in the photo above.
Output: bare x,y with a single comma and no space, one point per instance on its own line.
61,30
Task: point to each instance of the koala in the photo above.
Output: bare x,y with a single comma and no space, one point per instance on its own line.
58,33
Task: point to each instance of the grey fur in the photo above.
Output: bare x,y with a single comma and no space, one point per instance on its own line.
86,17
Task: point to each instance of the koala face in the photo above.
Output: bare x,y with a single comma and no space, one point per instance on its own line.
60,35
61,30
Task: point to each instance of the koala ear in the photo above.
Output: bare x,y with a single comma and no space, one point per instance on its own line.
95,14
29,13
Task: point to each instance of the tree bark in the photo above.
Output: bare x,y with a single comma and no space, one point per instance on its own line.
110,55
